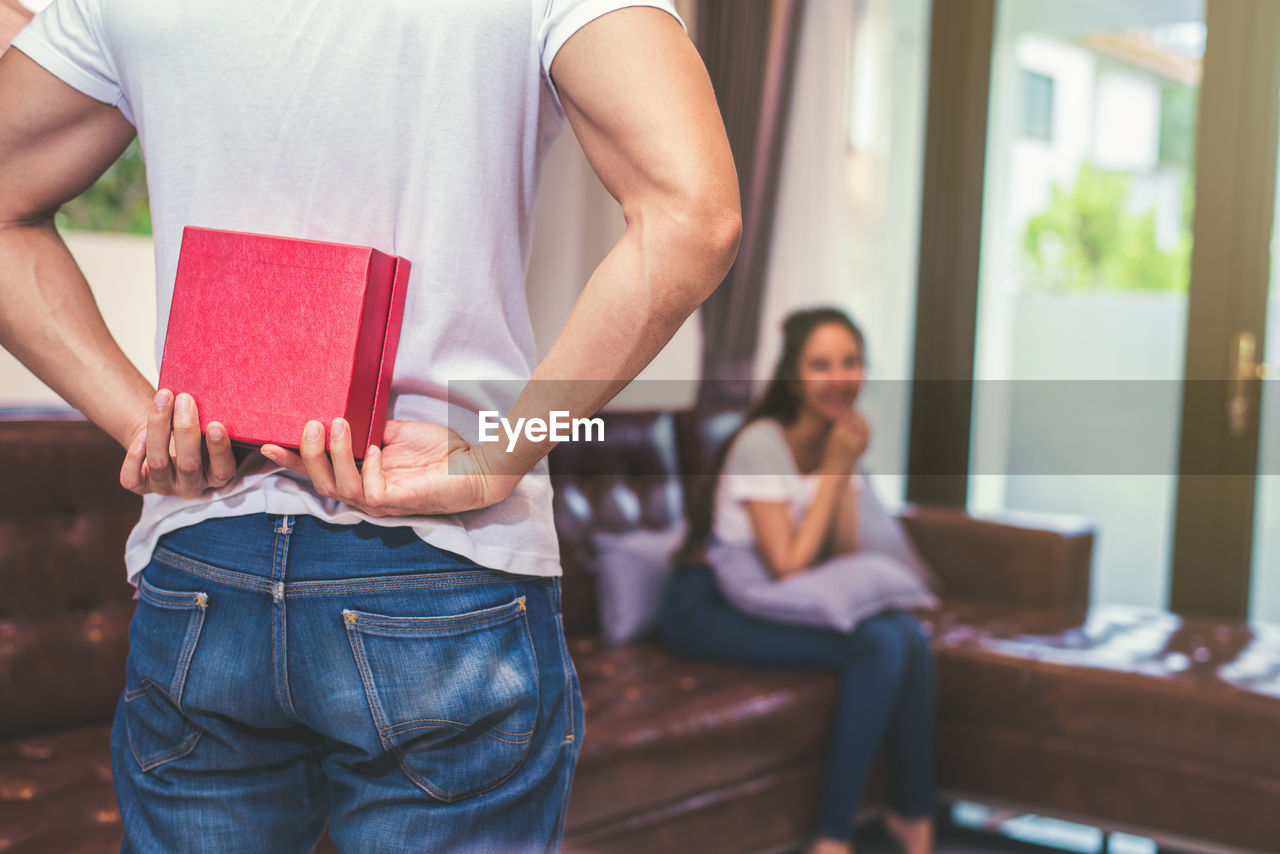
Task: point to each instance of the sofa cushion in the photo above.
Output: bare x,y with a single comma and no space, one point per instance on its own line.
1151,693
1185,713
767,813
1124,678
56,795
1129,716
65,606
662,728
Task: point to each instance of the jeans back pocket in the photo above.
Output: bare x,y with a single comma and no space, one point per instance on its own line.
163,636
455,698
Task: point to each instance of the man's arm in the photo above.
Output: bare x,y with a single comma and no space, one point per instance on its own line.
640,102
54,143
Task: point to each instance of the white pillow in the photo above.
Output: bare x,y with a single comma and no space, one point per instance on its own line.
836,594
882,533
631,572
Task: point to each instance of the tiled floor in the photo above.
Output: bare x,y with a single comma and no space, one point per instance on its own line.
1055,837
871,840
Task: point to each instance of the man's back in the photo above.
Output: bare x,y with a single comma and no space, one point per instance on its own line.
291,666
412,127
416,128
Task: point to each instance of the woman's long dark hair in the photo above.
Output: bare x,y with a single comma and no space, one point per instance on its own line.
780,401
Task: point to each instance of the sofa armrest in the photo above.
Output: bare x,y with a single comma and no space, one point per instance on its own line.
1019,559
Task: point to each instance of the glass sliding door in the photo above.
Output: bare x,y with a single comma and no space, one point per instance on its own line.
1085,265
1265,597
1224,554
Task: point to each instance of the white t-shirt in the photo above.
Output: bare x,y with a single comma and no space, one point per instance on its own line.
758,467
415,128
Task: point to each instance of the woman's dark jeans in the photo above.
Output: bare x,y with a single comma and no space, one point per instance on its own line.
885,692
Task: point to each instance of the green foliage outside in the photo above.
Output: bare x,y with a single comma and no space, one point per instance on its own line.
116,202
1179,106
1088,238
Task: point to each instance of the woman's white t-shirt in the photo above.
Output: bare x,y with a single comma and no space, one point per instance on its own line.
758,467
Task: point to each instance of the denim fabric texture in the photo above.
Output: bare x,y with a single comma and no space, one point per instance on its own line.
885,694
284,672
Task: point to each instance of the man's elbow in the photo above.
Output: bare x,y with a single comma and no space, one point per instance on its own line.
723,233
689,238
710,230
717,217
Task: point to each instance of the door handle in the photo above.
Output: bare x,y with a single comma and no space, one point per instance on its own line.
1246,368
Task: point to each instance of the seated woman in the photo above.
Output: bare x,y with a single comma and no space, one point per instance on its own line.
787,484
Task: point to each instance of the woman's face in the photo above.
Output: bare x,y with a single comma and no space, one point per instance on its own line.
831,371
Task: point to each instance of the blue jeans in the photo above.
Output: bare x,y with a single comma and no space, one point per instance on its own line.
885,690
283,672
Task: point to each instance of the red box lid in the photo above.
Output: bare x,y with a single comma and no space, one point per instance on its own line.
267,333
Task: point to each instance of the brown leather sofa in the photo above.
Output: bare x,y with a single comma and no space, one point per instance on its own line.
1125,717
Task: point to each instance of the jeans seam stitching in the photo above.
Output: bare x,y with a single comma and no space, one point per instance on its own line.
212,573
418,779
186,654
343,587
393,731
366,678
567,663
167,598
393,628
176,753
173,694
303,588
286,534
396,728
284,652
184,600
275,677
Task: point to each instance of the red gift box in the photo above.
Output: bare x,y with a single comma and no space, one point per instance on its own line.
268,333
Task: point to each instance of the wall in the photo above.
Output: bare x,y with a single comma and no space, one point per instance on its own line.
847,230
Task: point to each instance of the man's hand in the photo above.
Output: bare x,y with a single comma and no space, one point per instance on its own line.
423,469
167,455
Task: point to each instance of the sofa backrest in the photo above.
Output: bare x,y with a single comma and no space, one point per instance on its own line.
64,602
64,519
649,466
630,480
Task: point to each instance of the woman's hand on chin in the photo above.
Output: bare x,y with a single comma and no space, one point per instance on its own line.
846,443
